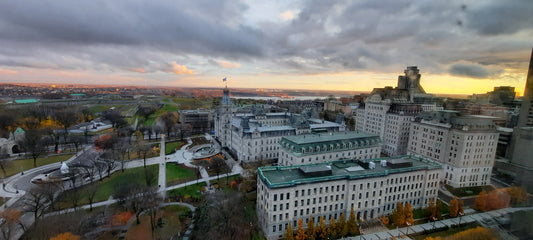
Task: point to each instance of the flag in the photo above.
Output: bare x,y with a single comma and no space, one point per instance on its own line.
224,79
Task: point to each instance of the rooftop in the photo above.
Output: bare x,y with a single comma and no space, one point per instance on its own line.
280,177
327,137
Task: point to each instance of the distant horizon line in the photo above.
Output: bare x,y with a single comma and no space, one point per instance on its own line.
79,85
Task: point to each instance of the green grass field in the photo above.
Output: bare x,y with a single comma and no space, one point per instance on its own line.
16,166
177,174
105,187
191,190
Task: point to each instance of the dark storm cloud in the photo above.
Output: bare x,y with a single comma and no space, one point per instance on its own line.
469,70
499,17
323,36
181,27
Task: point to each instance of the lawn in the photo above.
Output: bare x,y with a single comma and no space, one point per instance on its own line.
191,191
105,187
468,191
175,219
224,183
170,147
27,163
178,173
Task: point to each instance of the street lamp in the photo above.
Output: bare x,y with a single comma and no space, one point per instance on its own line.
434,219
461,214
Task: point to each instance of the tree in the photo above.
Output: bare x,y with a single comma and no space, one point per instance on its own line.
218,165
332,229
398,215
300,234
518,196
197,173
143,150
351,224
124,147
169,119
497,199
90,192
289,234
66,118
481,201
431,209
49,190
453,207
35,202
438,209
66,236
311,233
33,144
408,211
115,118
460,210
4,161
321,229
11,219
342,230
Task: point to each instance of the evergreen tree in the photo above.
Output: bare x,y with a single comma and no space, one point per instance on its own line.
289,235
300,234
311,234
351,224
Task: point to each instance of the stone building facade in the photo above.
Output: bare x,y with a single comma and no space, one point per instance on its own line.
372,188
464,145
319,148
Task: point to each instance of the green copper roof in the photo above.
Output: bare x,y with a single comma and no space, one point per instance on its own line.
279,177
19,130
25,100
310,144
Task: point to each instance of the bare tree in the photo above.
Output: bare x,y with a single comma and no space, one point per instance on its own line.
124,147
33,144
35,201
67,118
218,165
143,149
90,192
50,192
11,219
169,119
5,162
197,173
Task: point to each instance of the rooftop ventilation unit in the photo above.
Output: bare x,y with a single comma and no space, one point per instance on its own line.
316,171
371,165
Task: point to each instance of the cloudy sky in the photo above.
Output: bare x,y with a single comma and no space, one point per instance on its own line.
460,46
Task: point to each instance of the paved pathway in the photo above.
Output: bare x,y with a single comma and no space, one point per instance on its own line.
181,156
389,234
162,180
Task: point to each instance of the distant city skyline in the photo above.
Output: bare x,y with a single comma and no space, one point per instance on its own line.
460,47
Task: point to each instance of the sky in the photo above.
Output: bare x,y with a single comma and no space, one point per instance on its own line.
460,47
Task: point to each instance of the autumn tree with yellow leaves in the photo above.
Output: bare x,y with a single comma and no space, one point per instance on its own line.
300,234
289,234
